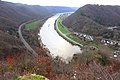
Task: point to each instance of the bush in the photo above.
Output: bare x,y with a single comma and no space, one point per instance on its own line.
103,60
31,77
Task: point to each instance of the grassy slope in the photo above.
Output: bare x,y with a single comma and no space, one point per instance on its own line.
63,29
32,25
66,32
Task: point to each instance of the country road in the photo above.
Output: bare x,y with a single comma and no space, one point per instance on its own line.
24,42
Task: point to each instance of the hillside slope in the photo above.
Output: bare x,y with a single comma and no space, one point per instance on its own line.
94,20
104,15
13,14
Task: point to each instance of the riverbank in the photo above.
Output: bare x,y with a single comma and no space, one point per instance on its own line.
30,33
82,66
66,34
85,65
57,45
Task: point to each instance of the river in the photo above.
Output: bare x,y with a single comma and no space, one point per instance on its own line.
55,43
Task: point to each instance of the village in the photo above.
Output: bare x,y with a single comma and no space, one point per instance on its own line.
106,42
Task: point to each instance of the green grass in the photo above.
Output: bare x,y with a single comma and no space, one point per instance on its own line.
63,29
66,32
74,38
93,44
32,25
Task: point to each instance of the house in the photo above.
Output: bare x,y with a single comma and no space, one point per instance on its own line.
107,42
116,53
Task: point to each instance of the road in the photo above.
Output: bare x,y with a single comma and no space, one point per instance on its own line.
23,40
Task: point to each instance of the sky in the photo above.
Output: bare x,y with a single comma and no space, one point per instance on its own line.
69,3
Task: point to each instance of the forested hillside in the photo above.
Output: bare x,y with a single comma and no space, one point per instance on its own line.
14,14
95,19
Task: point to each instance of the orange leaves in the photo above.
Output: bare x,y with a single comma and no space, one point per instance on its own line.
42,60
80,67
38,59
46,62
10,60
15,58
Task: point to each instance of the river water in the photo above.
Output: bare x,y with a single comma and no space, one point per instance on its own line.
55,43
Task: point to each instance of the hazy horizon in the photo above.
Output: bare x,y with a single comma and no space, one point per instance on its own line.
67,3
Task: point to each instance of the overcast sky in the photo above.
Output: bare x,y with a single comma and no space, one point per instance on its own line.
71,3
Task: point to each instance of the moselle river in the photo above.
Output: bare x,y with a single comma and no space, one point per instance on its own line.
55,43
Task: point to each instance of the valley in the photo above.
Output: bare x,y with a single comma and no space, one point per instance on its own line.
59,43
